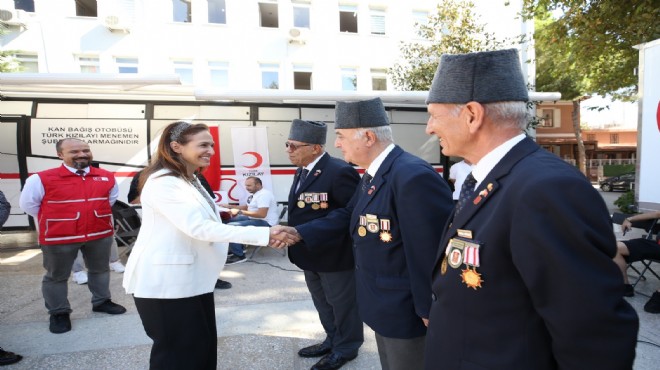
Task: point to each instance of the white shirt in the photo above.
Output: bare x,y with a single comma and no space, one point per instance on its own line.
33,193
375,164
490,160
458,172
264,198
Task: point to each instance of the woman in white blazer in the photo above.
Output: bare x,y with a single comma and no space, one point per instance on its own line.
180,251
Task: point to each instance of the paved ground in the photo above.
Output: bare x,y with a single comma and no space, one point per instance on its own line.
262,321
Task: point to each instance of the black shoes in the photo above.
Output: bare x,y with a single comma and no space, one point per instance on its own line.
109,307
653,305
314,351
8,358
60,323
234,259
221,284
628,290
331,362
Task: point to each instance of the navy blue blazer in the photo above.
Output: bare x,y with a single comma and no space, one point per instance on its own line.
396,225
550,296
337,180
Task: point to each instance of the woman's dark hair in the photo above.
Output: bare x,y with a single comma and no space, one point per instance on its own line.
167,158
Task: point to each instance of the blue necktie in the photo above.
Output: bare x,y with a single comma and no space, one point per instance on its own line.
366,180
302,177
467,190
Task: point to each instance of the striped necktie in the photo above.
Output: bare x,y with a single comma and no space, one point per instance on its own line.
467,190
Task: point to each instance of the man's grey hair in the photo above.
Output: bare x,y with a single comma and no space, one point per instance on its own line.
383,133
513,113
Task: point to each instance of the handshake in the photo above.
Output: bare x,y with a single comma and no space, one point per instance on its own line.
283,236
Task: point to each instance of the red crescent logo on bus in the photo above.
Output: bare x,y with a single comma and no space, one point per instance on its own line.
258,160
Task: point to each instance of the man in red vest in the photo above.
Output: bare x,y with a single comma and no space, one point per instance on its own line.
72,205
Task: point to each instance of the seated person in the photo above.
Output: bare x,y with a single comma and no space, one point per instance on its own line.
638,249
261,210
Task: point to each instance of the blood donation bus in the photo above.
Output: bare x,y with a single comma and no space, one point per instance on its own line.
121,118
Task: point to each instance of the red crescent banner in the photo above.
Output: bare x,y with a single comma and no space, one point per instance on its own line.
212,172
657,115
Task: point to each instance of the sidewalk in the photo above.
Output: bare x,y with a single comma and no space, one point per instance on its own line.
262,321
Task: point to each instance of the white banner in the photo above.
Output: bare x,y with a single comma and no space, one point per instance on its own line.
250,147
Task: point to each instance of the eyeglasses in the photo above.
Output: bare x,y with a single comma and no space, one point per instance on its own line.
294,147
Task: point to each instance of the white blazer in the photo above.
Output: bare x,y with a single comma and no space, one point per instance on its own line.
182,244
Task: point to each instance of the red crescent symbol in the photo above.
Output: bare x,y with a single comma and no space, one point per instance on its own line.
657,116
257,156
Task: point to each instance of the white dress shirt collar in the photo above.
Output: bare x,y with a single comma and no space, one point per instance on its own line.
490,160
375,164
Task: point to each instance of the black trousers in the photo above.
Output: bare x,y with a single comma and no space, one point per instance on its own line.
183,331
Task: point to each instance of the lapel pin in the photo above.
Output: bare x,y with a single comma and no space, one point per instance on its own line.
318,172
371,190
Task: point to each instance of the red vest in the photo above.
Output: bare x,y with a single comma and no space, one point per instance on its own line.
75,209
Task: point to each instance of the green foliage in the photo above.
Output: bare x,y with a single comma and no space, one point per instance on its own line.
453,29
8,62
610,170
592,42
626,203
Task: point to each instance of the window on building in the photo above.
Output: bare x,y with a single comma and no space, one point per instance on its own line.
614,138
181,11
302,78
349,79
184,68
270,76
29,63
301,15
420,18
348,17
377,22
547,118
378,79
26,5
127,65
268,15
217,11
219,74
89,64
591,137
86,8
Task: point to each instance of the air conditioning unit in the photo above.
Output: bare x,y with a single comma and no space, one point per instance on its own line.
13,17
116,23
297,36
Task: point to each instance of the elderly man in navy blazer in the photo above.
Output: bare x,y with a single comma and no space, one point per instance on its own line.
395,219
321,185
524,278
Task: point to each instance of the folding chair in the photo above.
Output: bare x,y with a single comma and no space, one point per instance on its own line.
127,224
279,221
652,227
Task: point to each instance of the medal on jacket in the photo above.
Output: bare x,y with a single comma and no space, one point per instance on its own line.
385,230
362,230
471,277
324,200
443,265
315,201
372,223
301,202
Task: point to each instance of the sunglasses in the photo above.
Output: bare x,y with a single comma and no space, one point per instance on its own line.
294,147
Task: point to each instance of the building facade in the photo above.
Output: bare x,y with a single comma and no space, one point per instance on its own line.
345,45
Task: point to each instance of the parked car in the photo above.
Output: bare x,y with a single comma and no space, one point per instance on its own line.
621,182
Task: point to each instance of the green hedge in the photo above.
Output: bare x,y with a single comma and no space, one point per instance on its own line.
610,170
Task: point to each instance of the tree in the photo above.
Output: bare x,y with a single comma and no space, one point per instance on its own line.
8,62
587,48
556,72
453,29
600,35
